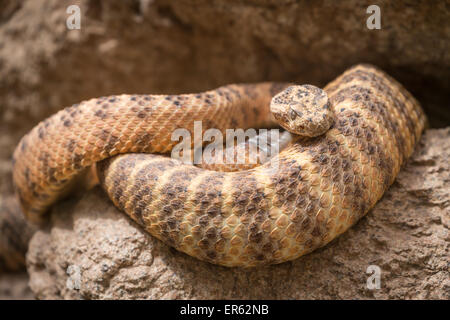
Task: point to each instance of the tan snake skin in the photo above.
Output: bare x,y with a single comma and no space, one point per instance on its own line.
323,185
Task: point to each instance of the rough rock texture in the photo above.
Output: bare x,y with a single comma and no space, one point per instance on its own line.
92,251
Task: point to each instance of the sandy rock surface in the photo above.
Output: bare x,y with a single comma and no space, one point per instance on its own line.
92,251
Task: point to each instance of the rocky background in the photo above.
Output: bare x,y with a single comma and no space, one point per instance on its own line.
156,46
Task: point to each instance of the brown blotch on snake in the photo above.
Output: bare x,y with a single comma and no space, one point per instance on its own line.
349,142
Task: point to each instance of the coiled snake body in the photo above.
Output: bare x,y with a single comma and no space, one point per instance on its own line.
355,140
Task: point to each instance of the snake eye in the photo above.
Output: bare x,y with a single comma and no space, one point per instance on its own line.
292,114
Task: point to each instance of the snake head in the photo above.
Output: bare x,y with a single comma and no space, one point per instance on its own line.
304,110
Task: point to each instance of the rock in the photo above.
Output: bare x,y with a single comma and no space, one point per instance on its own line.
92,251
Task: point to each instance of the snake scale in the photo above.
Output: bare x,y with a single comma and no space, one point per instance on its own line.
351,139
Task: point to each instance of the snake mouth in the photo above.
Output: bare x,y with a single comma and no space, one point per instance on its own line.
290,120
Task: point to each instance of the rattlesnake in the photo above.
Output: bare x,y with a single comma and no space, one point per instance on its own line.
351,140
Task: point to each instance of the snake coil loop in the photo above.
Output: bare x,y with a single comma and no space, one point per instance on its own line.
354,136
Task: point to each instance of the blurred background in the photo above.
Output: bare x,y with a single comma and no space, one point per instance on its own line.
157,46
